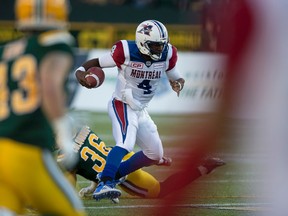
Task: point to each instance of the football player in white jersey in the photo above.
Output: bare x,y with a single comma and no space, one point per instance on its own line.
141,64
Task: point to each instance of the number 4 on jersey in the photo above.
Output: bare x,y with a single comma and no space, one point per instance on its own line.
145,85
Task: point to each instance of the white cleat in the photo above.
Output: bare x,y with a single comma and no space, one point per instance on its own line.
115,200
107,191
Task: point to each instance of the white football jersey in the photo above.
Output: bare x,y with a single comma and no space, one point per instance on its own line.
138,75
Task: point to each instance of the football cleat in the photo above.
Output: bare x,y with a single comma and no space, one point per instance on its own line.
115,200
165,161
209,164
121,180
106,190
98,177
116,181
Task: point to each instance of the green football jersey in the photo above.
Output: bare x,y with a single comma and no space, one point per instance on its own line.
21,116
92,153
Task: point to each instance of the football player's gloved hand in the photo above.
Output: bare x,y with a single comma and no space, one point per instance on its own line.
177,85
88,191
63,132
80,74
128,98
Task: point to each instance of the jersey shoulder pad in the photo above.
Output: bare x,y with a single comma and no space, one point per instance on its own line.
172,49
117,53
56,37
172,57
81,136
119,45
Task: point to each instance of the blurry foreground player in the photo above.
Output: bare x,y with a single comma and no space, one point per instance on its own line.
93,153
258,47
33,71
254,36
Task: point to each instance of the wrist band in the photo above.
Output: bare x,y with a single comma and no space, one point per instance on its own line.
81,68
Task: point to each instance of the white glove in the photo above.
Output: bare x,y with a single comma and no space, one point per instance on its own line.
63,132
88,191
128,98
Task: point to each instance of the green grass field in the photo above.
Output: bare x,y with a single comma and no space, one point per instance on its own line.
229,191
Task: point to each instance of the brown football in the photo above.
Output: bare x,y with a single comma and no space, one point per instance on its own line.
96,77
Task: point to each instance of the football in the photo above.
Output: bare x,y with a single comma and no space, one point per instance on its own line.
96,77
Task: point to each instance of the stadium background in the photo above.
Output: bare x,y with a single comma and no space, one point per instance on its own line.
96,24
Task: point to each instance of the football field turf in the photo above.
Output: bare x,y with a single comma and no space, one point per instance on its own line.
229,191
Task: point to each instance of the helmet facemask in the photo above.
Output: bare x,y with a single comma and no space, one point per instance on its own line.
155,49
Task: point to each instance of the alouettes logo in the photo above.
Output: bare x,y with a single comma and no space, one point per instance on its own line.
137,65
146,29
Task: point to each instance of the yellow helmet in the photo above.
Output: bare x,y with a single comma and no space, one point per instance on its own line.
41,14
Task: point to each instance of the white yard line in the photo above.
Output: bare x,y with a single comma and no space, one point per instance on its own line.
224,206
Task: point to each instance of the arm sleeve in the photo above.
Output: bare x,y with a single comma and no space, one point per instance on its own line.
172,72
106,61
115,58
117,53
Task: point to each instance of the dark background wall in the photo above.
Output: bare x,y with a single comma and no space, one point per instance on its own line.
99,23
125,11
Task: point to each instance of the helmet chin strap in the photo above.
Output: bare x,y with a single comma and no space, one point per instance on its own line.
152,56
149,56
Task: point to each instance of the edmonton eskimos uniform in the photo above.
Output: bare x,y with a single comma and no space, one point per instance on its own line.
93,153
26,137
21,116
